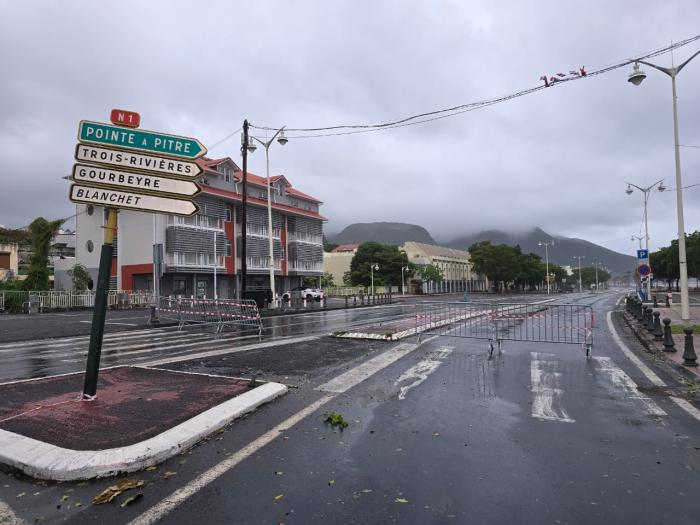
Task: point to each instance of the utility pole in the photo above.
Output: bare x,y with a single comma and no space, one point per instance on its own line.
579,257
244,199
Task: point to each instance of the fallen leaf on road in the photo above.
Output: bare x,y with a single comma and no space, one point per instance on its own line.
279,472
168,474
65,497
132,499
279,496
113,491
366,491
401,500
151,468
21,494
331,482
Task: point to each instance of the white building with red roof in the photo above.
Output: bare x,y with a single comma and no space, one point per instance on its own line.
191,256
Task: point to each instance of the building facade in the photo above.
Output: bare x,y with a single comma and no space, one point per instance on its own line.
205,249
337,262
454,264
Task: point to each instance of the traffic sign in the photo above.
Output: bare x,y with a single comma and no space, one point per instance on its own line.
140,139
642,254
136,181
139,161
643,270
133,201
121,117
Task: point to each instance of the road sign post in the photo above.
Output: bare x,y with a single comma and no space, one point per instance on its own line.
131,169
100,310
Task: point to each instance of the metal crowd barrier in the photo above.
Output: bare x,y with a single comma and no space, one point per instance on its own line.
541,323
2,301
220,312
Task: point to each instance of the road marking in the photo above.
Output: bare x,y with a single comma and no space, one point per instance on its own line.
171,502
354,376
651,376
420,371
623,382
545,385
8,517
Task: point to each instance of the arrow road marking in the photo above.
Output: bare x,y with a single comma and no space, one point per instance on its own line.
545,385
420,372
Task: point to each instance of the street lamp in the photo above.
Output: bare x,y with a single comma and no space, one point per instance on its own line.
596,274
659,186
636,78
579,257
404,269
282,139
546,256
639,238
372,267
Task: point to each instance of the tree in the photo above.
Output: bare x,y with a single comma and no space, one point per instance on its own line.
532,270
326,281
80,277
497,262
327,245
42,231
389,258
429,272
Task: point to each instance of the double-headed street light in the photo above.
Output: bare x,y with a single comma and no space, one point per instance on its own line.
659,186
639,238
372,268
282,139
546,245
636,78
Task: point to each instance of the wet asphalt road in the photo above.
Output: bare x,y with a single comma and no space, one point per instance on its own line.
441,435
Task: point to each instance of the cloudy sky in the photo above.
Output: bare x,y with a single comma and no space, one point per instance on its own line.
558,158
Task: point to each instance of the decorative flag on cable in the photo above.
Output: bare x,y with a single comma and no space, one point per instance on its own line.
558,77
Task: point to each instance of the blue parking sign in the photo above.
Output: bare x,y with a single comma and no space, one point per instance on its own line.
642,254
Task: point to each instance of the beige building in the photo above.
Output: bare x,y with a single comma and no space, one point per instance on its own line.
9,260
338,261
454,264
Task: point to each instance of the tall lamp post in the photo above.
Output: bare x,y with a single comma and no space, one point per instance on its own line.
636,78
639,238
372,267
659,186
279,135
596,274
405,269
546,257
579,257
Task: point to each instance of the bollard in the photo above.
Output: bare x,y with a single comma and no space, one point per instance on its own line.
668,305
656,303
362,299
640,311
669,345
346,301
689,356
354,300
649,319
658,334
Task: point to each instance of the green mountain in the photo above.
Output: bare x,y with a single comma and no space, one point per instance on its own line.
395,233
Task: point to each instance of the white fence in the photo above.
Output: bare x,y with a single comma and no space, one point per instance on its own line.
15,301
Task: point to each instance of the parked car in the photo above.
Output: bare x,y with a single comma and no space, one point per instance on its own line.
309,293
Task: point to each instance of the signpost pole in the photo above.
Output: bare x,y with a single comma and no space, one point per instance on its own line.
244,205
100,310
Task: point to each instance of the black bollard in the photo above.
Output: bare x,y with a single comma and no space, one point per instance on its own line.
668,303
669,345
346,301
640,312
656,303
689,356
649,320
658,334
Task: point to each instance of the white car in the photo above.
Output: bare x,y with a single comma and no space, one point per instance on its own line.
308,293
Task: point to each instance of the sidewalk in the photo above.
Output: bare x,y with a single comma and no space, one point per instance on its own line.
673,358
140,417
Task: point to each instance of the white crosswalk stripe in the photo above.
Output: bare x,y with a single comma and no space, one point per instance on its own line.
546,389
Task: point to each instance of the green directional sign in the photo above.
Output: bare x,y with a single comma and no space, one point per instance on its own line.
140,139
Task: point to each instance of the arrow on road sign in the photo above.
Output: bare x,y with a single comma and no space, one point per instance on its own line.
84,173
132,201
140,139
139,161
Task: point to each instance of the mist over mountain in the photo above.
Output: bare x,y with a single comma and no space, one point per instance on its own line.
562,252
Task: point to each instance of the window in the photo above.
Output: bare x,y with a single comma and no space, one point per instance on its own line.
179,286
228,214
228,248
226,171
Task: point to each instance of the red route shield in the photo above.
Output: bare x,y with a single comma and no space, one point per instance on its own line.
122,117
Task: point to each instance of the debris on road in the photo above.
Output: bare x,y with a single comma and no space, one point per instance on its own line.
113,491
336,420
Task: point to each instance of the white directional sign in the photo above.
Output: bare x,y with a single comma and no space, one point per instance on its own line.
101,176
132,201
139,161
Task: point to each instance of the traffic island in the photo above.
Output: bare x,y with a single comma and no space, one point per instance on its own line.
140,417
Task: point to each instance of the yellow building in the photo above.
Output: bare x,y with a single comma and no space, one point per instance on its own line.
454,264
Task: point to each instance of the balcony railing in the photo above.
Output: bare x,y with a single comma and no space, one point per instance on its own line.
197,221
262,263
254,230
296,266
309,238
194,260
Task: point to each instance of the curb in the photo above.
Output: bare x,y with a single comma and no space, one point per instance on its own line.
45,461
651,348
